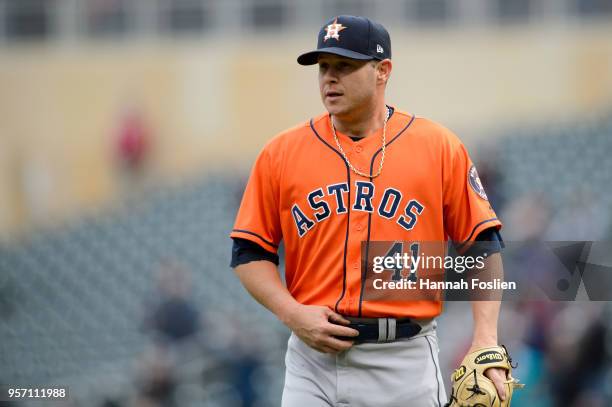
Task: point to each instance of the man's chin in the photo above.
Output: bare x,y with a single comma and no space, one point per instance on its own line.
334,109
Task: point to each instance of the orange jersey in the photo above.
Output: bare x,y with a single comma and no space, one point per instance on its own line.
302,191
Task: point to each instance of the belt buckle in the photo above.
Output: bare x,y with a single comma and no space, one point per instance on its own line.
387,329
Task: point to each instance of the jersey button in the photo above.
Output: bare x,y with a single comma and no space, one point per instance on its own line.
356,266
359,227
359,149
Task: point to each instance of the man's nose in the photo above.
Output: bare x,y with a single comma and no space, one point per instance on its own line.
330,76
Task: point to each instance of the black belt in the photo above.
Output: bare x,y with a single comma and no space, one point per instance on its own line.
382,329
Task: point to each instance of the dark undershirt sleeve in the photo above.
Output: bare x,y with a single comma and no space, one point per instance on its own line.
489,241
245,251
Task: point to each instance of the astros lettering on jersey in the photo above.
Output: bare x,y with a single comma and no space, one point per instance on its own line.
302,191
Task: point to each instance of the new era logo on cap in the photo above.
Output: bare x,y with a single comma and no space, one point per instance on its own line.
351,37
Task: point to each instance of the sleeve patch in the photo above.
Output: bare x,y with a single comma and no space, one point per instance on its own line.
474,181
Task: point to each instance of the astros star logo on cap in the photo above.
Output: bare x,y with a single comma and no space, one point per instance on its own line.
333,30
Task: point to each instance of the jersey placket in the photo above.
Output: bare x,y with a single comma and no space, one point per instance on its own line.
360,156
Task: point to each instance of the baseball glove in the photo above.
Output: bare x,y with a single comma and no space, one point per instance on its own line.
471,388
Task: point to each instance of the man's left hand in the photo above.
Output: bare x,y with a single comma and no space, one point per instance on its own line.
498,377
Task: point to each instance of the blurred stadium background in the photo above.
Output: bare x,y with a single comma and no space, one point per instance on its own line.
127,129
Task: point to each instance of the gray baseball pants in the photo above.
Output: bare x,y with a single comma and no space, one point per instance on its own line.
403,373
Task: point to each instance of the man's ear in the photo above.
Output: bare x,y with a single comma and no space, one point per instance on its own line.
383,70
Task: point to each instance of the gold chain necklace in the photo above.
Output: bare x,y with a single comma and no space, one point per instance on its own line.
382,158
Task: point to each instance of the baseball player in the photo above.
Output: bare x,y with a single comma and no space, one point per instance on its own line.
363,172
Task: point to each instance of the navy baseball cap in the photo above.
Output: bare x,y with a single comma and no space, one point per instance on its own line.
351,37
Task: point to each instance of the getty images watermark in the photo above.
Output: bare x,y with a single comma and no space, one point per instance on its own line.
460,264
548,271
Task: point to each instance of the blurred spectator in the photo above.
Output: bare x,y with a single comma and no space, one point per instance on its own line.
578,359
133,140
156,381
238,361
245,363
173,317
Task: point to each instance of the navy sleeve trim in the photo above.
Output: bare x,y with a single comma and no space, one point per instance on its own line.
245,251
491,234
487,242
256,235
472,233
